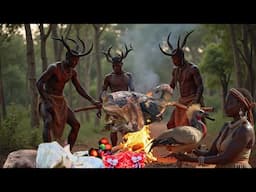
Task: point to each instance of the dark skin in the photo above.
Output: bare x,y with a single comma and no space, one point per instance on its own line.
118,80
189,79
52,82
190,83
244,138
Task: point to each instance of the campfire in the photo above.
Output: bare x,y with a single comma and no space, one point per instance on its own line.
139,141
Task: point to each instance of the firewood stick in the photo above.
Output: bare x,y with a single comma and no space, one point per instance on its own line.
86,108
208,109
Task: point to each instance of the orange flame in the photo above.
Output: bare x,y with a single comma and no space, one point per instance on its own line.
139,141
149,94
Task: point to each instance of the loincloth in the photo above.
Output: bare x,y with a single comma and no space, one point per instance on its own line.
180,116
59,114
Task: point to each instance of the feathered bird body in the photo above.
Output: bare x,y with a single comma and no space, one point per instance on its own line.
184,138
179,135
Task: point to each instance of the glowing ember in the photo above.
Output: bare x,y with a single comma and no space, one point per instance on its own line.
149,94
139,141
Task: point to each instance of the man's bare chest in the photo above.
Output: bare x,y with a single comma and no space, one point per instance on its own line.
184,76
64,76
119,80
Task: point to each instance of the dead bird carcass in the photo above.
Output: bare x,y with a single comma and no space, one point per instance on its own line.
129,111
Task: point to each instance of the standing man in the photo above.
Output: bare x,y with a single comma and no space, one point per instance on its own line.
117,80
53,106
188,76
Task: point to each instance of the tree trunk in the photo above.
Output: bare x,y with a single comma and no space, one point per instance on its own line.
238,82
2,101
43,38
98,64
248,58
98,29
89,60
252,36
55,43
224,88
61,47
32,77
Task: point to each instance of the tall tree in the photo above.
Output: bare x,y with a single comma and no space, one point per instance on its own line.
32,77
247,56
98,30
43,37
216,65
55,43
235,55
2,100
63,30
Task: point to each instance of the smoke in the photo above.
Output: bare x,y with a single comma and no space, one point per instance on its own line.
146,62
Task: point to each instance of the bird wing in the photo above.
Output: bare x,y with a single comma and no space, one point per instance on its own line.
182,135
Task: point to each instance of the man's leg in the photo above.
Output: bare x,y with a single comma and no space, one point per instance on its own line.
113,138
47,121
75,126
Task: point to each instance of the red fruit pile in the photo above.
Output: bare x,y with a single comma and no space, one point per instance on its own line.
104,148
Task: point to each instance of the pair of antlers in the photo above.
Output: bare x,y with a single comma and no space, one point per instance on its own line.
118,58
179,47
77,52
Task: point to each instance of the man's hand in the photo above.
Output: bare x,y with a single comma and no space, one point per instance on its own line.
99,113
98,104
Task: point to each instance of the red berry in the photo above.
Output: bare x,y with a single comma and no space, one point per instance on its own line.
108,146
103,140
93,152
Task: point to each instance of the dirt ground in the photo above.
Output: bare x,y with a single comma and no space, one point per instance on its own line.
156,129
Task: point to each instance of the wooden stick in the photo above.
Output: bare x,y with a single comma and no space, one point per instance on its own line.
207,109
86,108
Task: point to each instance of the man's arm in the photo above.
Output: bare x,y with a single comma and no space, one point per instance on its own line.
131,83
199,84
174,79
81,90
104,87
43,79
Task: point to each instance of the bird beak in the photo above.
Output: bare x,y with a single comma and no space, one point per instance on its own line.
206,115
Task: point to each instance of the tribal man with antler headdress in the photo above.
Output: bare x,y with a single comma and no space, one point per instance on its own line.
189,78
117,80
53,106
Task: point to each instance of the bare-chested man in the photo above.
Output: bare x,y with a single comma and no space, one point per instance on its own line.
190,82
53,106
117,80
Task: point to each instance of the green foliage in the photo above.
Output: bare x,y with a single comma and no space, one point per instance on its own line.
215,126
13,62
215,64
213,101
15,131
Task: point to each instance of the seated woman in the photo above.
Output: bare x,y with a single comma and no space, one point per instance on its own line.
232,147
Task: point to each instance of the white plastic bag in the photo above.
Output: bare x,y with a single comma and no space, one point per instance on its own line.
52,155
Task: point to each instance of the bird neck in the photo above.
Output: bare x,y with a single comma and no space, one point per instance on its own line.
203,126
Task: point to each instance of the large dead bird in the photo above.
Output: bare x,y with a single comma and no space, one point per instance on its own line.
184,138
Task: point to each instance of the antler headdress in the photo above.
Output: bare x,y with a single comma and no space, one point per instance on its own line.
179,48
118,58
77,52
